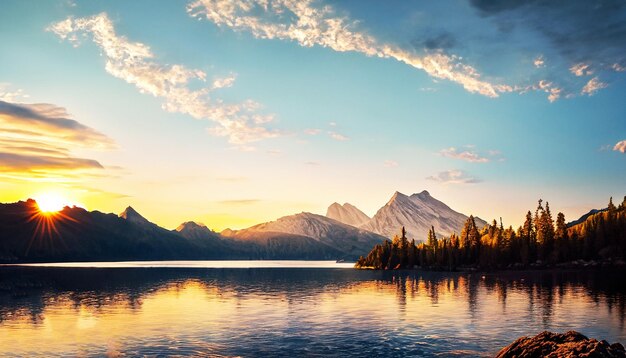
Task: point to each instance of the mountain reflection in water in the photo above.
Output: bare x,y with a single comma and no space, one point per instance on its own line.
291,312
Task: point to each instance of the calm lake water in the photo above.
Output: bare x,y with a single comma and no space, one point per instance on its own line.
299,310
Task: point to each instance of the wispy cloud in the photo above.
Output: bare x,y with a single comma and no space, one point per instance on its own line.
312,131
581,69
620,146
390,163
338,136
311,25
466,155
37,140
224,82
11,95
453,177
593,86
553,91
239,202
312,163
539,61
133,62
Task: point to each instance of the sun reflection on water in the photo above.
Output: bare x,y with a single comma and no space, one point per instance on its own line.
273,311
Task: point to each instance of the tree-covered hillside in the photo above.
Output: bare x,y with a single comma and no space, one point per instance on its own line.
540,241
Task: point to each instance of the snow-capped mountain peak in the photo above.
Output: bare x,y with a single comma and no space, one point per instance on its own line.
347,214
417,213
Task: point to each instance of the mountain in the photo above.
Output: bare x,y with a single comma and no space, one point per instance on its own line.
417,213
347,214
132,215
195,231
75,234
585,217
330,233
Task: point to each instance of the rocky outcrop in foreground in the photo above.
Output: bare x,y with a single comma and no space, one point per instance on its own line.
555,345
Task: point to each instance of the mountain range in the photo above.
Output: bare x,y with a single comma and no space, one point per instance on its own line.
75,234
417,213
345,238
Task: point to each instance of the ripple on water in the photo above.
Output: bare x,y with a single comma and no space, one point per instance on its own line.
297,312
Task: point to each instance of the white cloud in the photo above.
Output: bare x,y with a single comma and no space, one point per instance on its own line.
134,63
553,91
539,61
593,86
581,69
312,131
338,136
467,155
618,68
11,95
453,177
224,82
300,21
620,146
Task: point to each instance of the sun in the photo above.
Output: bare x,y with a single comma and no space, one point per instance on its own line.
51,202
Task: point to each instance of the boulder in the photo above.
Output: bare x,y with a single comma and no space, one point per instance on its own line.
556,345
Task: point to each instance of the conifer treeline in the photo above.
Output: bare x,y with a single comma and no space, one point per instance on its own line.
541,240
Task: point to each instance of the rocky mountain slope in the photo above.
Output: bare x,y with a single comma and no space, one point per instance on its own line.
331,233
417,213
347,214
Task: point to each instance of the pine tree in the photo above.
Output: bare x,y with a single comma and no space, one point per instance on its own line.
611,207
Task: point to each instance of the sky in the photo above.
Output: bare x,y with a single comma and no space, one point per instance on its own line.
236,112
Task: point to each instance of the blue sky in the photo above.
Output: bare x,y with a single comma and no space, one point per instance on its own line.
301,104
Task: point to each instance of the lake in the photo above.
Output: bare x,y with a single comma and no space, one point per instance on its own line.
293,309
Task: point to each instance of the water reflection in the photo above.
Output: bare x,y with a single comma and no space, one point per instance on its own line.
287,312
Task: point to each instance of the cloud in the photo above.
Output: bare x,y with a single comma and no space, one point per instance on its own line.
620,146
338,136
239,202
390,163
312,163
467,155
232,179
578,36
224,82
539,61
9,95
593,86
581,69
36,143
133,62
52,120
312,131
427,89
308,25
23,162
453,177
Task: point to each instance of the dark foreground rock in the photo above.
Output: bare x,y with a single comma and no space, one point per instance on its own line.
556,345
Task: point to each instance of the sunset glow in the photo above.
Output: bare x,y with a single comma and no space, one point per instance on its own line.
51,202
248,125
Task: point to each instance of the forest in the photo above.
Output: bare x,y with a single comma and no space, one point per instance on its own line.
541,241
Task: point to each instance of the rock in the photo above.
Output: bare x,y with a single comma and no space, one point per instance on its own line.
556,345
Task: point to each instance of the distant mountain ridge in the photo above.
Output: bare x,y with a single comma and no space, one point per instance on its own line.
75,234
329,232
417,213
